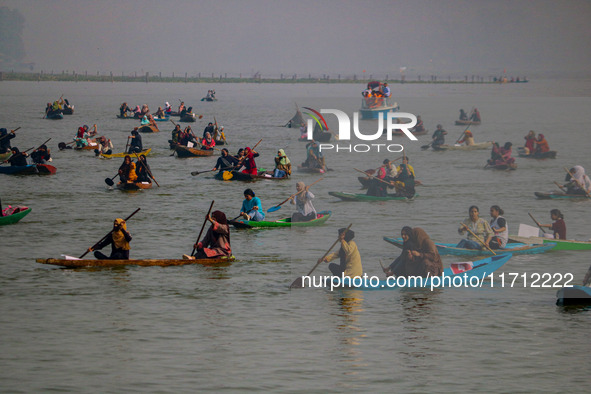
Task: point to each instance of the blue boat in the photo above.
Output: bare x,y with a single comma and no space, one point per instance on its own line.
511,248
165,119
575,295
19,170
55,115
472,274
374,107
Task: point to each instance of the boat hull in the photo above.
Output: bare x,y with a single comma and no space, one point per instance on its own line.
15,217
539,156
312,170
240,176
558,196
364,197
30,169
148,129
321,218
184,151
189,118
143,263
127,186
123,154
575,295
561,244
466,122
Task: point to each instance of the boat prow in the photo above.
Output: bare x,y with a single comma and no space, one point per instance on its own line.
12,215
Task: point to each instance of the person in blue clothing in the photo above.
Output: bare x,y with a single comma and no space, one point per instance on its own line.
251,207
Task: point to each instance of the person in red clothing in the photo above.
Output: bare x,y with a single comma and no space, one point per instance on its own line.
249,163
207,143
559,227
530,142
541,144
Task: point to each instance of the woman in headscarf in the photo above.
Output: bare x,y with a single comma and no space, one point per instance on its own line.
136,144
419,255
506,152
579,183
175,134
303,202
123,110
137,112
530,142
41,155
541,144
249,163
349,258
119,240
127,170
495,154
216,242
5,138
105,146
142,169
18,158
282,165
207,143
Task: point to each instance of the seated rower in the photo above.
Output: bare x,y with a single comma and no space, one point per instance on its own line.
530,142
251,207
314,157
207,143
119,240
226,162
404,180
349,257
250,166
475,115
468,138
175,134
167,108
499,226
18,158
124,109
438,137
41,155
541,145
377,184
127,172
303,202
104,146
419,126
142,169
558,227
506,151
478,226
136,142
419,256
160,113
579,183
216,242
463,115
209,129
282,165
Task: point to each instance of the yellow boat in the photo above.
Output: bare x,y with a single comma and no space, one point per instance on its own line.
123,154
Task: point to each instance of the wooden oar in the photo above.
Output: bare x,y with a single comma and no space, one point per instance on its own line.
202,227
372,176
299,282
560,186
478,238
536,222
577,182
278,206
11,132
147,169
127,144
109,233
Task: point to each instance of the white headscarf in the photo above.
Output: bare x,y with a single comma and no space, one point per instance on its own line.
582,178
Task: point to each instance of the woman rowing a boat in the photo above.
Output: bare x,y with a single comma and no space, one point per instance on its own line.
142,169
579,183
542,145
249,163
105,146
479,227
251,207
376,185
216,242
468,138
5,138
558,227
175,135
419,255
226,162
18,158
41,155
303,202
350,260
207,143
498,224
530,142
119,240
136,142
282,165
124,109
127,171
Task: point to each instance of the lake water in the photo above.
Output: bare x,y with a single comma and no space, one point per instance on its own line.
238,327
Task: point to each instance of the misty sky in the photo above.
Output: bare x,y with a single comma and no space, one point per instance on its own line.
301,36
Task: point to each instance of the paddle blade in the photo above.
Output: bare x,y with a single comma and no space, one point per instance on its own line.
195,173
298,283
273,209
425,147
227,175
109,181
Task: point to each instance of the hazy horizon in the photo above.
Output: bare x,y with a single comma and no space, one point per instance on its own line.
272,37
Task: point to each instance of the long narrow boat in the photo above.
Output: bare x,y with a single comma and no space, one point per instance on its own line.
476,146
503,167
46,169
123,154
185,151
55,116
558,196
132,186
14,217
561,244
148,129
29,169
364,197
77,263
321,218
240,176
540,156
467,122
445,249
575,295
463,274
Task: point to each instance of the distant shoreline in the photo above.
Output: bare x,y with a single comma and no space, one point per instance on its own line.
147,78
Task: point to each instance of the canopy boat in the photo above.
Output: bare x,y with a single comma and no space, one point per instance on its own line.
123,154
188,117
12,215
502,167
185,151
78,263
551,154
321,217
373,107
30,169
561,244
476,146
148,129
558,196
575,295
467,122
240,176
364,197
133,186
457,275
451,249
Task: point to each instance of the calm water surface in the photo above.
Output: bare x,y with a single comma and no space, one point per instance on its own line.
238,327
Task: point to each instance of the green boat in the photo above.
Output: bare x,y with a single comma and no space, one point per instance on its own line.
558,196
321,217
14,217
561,244
364,197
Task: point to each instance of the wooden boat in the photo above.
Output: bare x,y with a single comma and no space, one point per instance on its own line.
467,122
546,155
561,244
123,154
133,186
476,146
240,176
451,249
188,117
458,274
14,214
185,151
313,170
54,115
575,295
321,218
558,196
502,167
148,129
364,197
77,263
30,169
